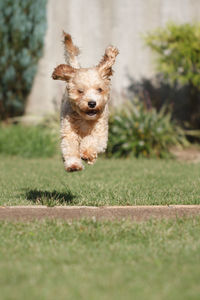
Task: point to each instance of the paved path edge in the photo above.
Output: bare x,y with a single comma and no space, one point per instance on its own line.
135,213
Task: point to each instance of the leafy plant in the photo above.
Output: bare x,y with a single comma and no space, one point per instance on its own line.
178,58
137,131
22,28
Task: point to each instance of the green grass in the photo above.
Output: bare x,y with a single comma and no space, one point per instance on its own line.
100,260
108,182
27,141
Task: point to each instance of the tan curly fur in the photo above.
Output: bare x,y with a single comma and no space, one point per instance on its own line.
84,108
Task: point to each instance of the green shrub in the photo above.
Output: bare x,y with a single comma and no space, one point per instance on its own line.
136,131
27,141
22,29
178,58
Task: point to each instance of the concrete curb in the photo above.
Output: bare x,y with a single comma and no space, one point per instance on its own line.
135,213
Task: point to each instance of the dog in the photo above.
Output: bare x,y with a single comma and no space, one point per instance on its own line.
84,108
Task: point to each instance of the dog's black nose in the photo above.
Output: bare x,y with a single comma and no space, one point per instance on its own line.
92,104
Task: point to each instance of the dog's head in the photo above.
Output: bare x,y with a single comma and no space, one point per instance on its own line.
88,88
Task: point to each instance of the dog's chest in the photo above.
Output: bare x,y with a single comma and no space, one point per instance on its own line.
82,127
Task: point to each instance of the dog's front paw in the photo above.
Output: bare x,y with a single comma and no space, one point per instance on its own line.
89,155
73,164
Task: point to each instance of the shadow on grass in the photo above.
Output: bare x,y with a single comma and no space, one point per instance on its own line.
50,198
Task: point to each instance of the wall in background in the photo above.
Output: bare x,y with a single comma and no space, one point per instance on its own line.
94,24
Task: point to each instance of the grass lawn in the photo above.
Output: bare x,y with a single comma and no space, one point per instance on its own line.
108,182
100,260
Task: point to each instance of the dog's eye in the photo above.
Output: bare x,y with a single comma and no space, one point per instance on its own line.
80,91
100,90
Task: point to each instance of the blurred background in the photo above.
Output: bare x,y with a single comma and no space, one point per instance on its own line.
157,74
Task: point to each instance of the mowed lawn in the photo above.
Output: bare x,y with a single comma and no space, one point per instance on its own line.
108,182
100,260
53,259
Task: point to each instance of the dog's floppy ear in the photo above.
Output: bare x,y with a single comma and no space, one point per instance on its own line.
63,72
71,51
105,65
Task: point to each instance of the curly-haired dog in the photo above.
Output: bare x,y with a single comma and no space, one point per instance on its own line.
84,109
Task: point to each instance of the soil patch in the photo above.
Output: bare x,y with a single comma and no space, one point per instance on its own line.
189,155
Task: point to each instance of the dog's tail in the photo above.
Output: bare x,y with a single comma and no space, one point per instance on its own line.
71,51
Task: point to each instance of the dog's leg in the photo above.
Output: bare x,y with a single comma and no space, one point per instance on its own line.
95,143
70,148
88,149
